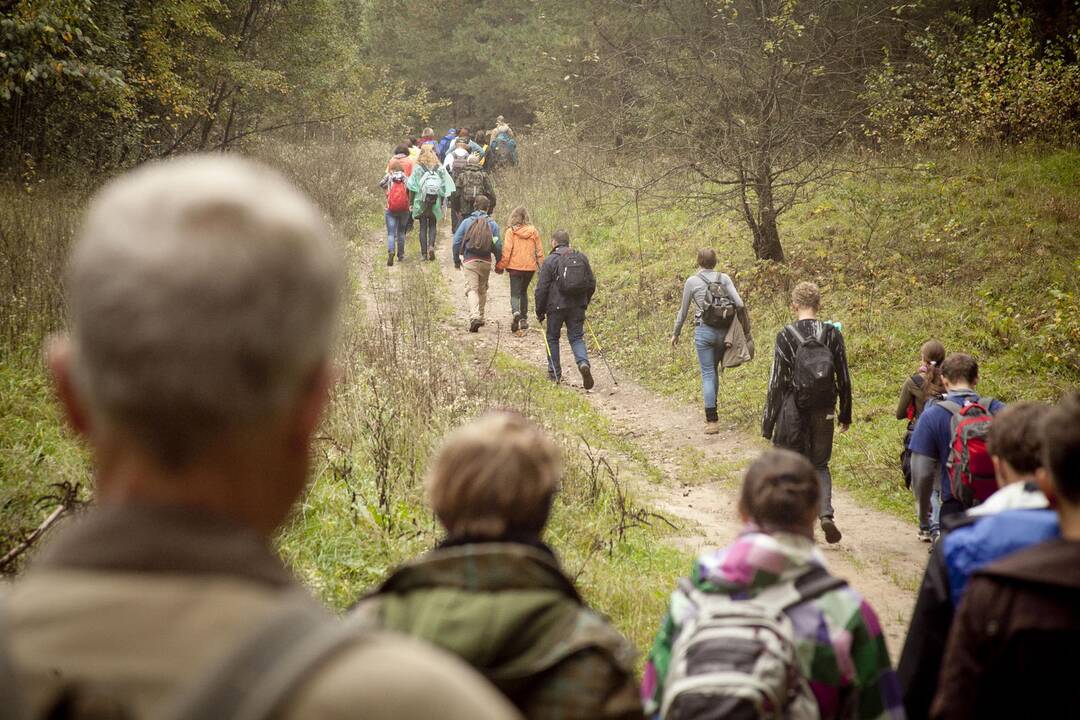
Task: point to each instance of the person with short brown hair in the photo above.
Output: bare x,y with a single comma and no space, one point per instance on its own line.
475,257
839,649
1011,650
1015,517
809,377
932,439
493,593
718,304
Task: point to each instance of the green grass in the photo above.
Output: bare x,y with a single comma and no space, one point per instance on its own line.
981,251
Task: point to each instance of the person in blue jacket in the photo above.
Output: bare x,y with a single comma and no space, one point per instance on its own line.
477,264
1015,517
932,438
444,144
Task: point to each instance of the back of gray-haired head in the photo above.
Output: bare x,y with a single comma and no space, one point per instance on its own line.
203,296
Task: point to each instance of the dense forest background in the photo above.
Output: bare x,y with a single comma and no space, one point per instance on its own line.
919,160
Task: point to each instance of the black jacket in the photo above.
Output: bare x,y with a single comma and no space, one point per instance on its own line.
549,298
783,361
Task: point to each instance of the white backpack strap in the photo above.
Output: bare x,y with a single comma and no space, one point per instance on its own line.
255,680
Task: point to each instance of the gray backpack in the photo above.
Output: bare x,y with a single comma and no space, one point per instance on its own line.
737,658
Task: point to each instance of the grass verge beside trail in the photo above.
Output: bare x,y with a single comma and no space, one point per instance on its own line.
981,251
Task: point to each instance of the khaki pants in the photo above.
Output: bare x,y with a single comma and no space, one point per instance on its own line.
476,286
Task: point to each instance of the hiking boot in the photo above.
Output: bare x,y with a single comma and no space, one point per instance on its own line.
586,375
712,427
390,260
431,254
474,325
924,536
523,325
832,533
515,324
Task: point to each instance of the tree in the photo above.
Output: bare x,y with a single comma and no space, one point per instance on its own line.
752,98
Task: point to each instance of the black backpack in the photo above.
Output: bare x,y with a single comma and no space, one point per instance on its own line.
478,238
573,274
718,310
814,373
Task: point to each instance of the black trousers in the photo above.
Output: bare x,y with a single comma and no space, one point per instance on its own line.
519,291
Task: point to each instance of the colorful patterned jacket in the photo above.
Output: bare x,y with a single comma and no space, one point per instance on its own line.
838,636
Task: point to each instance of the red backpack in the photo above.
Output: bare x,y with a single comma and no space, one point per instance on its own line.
971,472
397,197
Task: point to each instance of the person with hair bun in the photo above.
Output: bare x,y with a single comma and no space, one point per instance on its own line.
839,644
494,594
923,386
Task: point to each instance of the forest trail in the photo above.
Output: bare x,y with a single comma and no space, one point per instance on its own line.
879,554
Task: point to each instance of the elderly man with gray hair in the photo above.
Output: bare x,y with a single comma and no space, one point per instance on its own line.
203,298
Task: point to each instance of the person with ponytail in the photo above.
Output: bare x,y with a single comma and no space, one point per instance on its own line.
926,385
841,651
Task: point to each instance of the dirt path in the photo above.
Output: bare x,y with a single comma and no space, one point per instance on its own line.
879,554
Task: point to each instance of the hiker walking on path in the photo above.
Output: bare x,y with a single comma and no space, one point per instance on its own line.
476,242
474,182
1012,649
503,145
718,339
1015,517
809,374
494,593
397,210
430,185
934,435
563,293
523,254
166,597
924,386
446,144
805,637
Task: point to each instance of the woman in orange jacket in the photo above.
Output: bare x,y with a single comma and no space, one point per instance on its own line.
522,255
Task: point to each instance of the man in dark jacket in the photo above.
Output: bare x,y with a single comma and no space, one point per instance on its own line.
1011,651
1012,519
790,422
565,288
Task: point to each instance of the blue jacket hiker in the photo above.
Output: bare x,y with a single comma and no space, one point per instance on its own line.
476,242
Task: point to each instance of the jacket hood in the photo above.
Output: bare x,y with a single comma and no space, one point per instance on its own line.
525,232
754,561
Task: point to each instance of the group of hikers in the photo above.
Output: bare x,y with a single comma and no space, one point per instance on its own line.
203,297
426,176
418,189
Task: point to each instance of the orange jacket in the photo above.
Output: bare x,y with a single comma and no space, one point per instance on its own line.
522,249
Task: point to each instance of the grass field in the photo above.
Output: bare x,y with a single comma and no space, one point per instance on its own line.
980,251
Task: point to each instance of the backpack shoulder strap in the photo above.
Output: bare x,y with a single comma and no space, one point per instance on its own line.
813,583
798,336
987,402
255,680
950,405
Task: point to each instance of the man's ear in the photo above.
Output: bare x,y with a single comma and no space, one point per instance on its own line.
1046,484
313,401
59,357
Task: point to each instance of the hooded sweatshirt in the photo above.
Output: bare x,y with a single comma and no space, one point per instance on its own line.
522,250
838,637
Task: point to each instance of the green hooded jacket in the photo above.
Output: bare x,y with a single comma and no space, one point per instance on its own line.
508,609
413,186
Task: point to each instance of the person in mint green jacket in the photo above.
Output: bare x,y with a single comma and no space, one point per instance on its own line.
494,594
430,185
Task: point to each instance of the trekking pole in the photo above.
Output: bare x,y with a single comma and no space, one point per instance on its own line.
551,361
600,350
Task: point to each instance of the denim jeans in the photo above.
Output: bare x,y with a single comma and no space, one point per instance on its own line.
709,343
427,232
519,291
395,232
574,319
819,428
